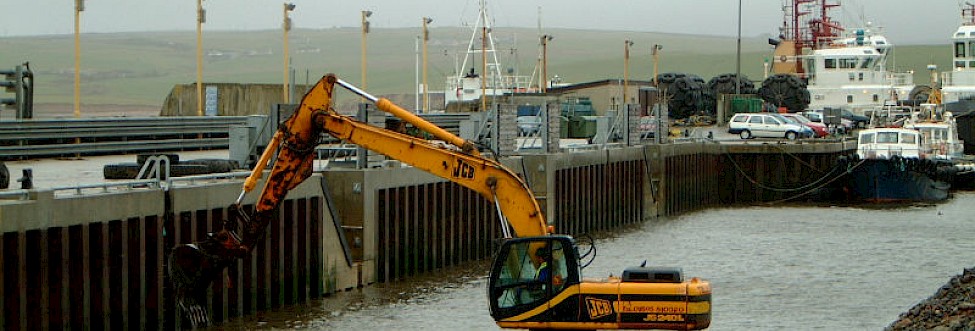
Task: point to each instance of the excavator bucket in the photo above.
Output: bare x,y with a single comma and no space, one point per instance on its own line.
193,267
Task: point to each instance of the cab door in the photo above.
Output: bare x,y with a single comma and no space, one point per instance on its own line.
523,282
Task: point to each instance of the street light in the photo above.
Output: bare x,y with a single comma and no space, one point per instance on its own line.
79,6
365,30
656,52
738,55
626,68
426,37
288,7
543,79
200,19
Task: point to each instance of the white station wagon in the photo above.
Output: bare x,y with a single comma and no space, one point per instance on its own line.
751,125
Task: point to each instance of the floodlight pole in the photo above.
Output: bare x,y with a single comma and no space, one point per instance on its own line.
286,27
365,30
200,18
626,68
79,6
426,88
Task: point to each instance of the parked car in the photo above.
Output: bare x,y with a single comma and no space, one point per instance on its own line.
819,129
817,116
751,125
859,121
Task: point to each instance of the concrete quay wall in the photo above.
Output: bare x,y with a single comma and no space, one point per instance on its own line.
97,260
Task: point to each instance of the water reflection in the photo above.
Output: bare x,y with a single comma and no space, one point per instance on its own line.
772,268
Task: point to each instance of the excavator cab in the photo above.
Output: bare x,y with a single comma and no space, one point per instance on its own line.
536,283
535,279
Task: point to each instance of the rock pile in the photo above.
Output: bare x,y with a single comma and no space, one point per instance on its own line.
951,308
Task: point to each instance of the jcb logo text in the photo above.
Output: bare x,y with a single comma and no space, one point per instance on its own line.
463,170
598,308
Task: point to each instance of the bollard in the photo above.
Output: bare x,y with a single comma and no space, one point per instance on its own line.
27,182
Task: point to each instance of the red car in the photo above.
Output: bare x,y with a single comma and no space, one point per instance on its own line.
819,129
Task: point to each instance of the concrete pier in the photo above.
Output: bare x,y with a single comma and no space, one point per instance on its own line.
97,259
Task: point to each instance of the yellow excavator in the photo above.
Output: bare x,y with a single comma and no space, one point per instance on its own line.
536,279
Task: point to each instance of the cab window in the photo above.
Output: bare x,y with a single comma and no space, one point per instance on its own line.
532,272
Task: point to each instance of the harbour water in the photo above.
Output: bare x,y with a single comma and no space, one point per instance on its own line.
772,268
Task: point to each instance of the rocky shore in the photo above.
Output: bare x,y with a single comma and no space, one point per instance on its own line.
951,308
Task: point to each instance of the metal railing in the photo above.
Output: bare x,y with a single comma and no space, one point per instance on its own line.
22,139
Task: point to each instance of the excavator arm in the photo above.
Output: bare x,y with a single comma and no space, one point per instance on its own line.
460,162
194,266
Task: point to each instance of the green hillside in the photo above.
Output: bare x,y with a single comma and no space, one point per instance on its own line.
141,68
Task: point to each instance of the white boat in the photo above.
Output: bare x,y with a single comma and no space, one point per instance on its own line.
939,132
959,83
852,73
480,73
891,167
842,68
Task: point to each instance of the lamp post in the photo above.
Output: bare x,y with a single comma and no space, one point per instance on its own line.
200,19
288,7
365,30
626,67
79,6
543,79
738,55
426,88
655,51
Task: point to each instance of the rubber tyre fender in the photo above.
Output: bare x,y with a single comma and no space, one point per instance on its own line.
126,170
4,176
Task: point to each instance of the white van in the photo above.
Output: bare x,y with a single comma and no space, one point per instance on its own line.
751,125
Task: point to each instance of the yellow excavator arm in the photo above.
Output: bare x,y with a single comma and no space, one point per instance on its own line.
460,162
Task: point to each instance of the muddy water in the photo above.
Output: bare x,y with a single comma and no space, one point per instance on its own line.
772,268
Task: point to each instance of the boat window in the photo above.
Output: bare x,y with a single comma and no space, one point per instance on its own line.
960,49
876,98
848,63
908,138
971,64
867,63
849,99
960,34
830,63
971,48
959,64
886,137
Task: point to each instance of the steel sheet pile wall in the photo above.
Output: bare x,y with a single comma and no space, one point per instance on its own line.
698,176
98,261
598,197
83,262
429,226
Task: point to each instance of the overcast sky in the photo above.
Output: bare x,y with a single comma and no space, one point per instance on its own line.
904,21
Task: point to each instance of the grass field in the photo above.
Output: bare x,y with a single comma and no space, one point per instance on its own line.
139,69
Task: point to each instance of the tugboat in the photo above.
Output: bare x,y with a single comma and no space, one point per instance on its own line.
838,67
891,166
